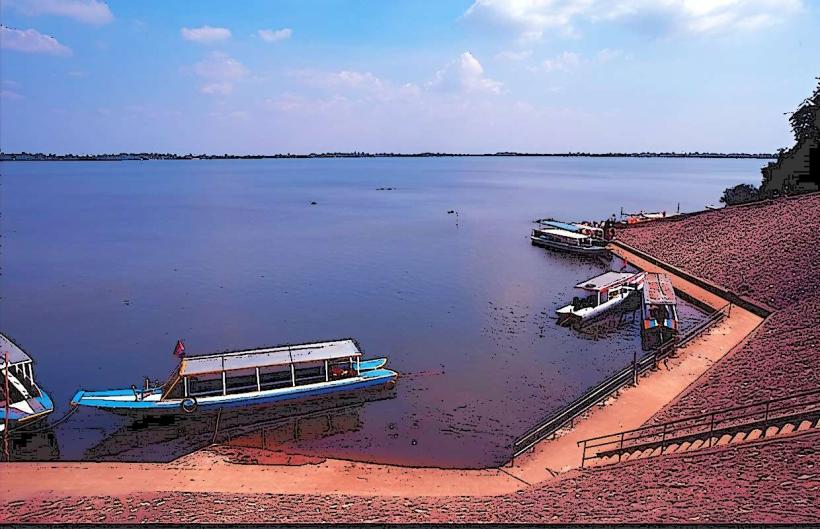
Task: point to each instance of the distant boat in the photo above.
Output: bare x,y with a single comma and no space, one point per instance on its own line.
27,403
604,292
566,240
246,378
659,311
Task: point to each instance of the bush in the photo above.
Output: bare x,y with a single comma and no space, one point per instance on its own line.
740,194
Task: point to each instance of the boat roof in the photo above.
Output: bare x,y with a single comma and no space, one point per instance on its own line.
564,233
560,225
16,355
658,290
604,280
269,356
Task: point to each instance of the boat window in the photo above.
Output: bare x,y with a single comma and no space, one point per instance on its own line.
310,373
176,391
275,377
205,385
241,380
20,371
582,303
16,396
341,369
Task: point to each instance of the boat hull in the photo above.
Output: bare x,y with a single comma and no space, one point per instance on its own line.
567,317
21,421
100,400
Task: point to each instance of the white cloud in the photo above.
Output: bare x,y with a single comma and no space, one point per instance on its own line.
514,56
30,41
350,81
205,34
219,72
464,74
608,55
531,19
9,94
274,35
563,62
87,11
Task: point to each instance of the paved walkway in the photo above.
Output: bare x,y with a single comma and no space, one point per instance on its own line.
208,471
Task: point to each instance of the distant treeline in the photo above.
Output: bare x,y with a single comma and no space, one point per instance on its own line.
25,156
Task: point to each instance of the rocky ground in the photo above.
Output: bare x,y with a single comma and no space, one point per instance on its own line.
769,252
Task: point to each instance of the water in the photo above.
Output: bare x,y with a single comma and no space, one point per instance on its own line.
106,265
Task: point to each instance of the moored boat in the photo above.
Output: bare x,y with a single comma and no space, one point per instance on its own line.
602,293
249,377
568,241
659,311
26,403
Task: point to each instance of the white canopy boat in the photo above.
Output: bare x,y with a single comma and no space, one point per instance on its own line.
26,403
568,241
603,293
249,377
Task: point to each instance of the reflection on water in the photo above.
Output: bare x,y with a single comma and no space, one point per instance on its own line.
36,445
159,439
106,265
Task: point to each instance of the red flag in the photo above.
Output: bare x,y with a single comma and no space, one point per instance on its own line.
179,350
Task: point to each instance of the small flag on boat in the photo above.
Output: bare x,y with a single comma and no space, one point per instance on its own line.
179,350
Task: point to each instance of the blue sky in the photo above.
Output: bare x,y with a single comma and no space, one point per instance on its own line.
458,76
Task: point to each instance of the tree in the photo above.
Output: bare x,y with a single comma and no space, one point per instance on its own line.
739,194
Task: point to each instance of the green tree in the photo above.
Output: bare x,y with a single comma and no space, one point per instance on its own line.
739,194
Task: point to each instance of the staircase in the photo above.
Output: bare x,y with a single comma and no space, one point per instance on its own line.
763,419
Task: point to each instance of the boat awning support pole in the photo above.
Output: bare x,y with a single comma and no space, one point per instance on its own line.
327,374
258,381
6,418
358,372
292,375
224,385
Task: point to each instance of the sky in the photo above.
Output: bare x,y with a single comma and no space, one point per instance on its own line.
471,76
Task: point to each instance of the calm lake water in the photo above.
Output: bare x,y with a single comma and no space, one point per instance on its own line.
105,265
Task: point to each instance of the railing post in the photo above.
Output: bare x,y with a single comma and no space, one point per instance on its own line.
711,429
663,438
584,454
766,419
620,447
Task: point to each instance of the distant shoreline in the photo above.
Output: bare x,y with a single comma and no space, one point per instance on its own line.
40,157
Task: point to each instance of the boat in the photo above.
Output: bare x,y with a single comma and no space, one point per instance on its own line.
658,311
247,378
568,241
26,403
602,293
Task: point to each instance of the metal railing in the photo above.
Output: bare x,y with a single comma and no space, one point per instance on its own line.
607,387
708,427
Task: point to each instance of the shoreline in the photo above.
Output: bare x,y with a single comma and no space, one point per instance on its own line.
209,470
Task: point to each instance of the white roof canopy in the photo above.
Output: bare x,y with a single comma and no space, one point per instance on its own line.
16,355
270,356
604,280
564,233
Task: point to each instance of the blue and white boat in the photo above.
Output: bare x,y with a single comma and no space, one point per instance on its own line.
247,378
26,402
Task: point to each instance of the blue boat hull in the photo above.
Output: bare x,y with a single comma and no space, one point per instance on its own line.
21,421
370,379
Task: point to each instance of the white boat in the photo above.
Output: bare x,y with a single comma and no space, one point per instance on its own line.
568,241
246,378
26,403
602,293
